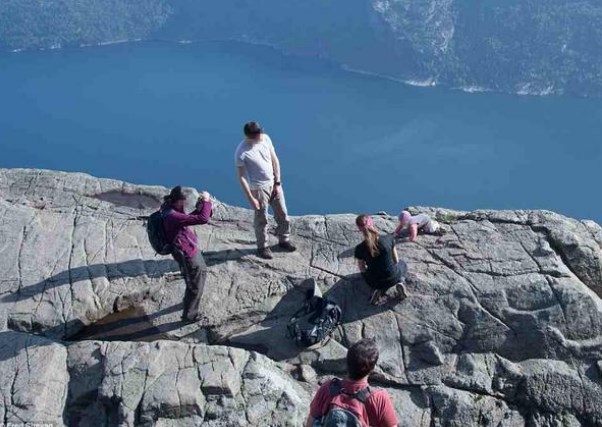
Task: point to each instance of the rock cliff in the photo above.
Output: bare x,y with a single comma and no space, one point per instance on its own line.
503,325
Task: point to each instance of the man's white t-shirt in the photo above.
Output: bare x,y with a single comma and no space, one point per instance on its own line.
256,158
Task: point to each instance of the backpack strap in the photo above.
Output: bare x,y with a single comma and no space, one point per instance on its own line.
363,394
336,388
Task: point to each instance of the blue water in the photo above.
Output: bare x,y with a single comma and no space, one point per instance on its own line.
158,113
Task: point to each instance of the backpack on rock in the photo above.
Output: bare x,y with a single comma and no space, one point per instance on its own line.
316,321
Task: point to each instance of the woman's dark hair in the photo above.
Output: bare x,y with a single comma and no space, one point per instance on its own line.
252,129
174,195
362,358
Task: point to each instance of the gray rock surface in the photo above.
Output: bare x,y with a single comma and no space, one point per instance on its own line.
133,384
502,326
33,379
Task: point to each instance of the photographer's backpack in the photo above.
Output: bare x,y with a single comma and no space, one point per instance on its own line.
156,233
314,322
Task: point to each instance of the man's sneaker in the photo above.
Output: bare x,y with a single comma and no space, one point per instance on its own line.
375,297
199,318
287,246
265,253
188,320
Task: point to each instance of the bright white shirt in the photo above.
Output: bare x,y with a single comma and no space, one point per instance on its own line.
256,158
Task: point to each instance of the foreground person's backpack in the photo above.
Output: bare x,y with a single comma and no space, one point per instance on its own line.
156,233
316,321
338,416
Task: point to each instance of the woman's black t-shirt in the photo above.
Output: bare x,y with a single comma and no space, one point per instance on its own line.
381,271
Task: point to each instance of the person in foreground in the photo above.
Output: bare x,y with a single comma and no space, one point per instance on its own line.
421,223
259,174
185,248
378,260
351,401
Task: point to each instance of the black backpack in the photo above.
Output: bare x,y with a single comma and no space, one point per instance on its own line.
315,321
341,417
156,233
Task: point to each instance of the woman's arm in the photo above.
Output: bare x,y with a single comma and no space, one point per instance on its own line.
395,255
200,216
398,229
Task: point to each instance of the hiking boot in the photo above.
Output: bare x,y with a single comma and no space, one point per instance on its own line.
265,253
198,318
287,246
402,293
187,320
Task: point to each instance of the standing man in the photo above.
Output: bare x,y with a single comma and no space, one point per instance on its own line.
259,175
185,247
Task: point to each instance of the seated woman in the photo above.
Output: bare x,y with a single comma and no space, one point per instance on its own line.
421,223
378,260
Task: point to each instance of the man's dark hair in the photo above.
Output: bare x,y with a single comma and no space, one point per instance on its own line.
362,358
252,129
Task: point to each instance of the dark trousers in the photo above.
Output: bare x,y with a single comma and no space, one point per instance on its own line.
401,270
194,271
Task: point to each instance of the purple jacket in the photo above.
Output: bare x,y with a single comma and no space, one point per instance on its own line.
176,228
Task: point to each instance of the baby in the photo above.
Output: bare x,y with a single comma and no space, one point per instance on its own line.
418,223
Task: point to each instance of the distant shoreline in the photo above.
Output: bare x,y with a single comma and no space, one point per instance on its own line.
525,89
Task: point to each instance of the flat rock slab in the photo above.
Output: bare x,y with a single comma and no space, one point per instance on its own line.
33,379
499,294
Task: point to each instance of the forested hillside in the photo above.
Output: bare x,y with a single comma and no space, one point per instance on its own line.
527,46
26,24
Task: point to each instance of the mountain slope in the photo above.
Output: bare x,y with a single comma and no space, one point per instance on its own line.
528,47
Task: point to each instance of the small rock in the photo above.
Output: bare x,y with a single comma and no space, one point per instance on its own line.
429,352
307,374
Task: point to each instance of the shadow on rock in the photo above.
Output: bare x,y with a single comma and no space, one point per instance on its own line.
13,343
153,269
269,335
220,257
131,324
352,294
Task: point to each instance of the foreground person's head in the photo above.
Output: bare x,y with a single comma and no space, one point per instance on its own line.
361,359
176,198
253,131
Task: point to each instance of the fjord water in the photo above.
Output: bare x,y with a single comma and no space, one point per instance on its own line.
158,113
